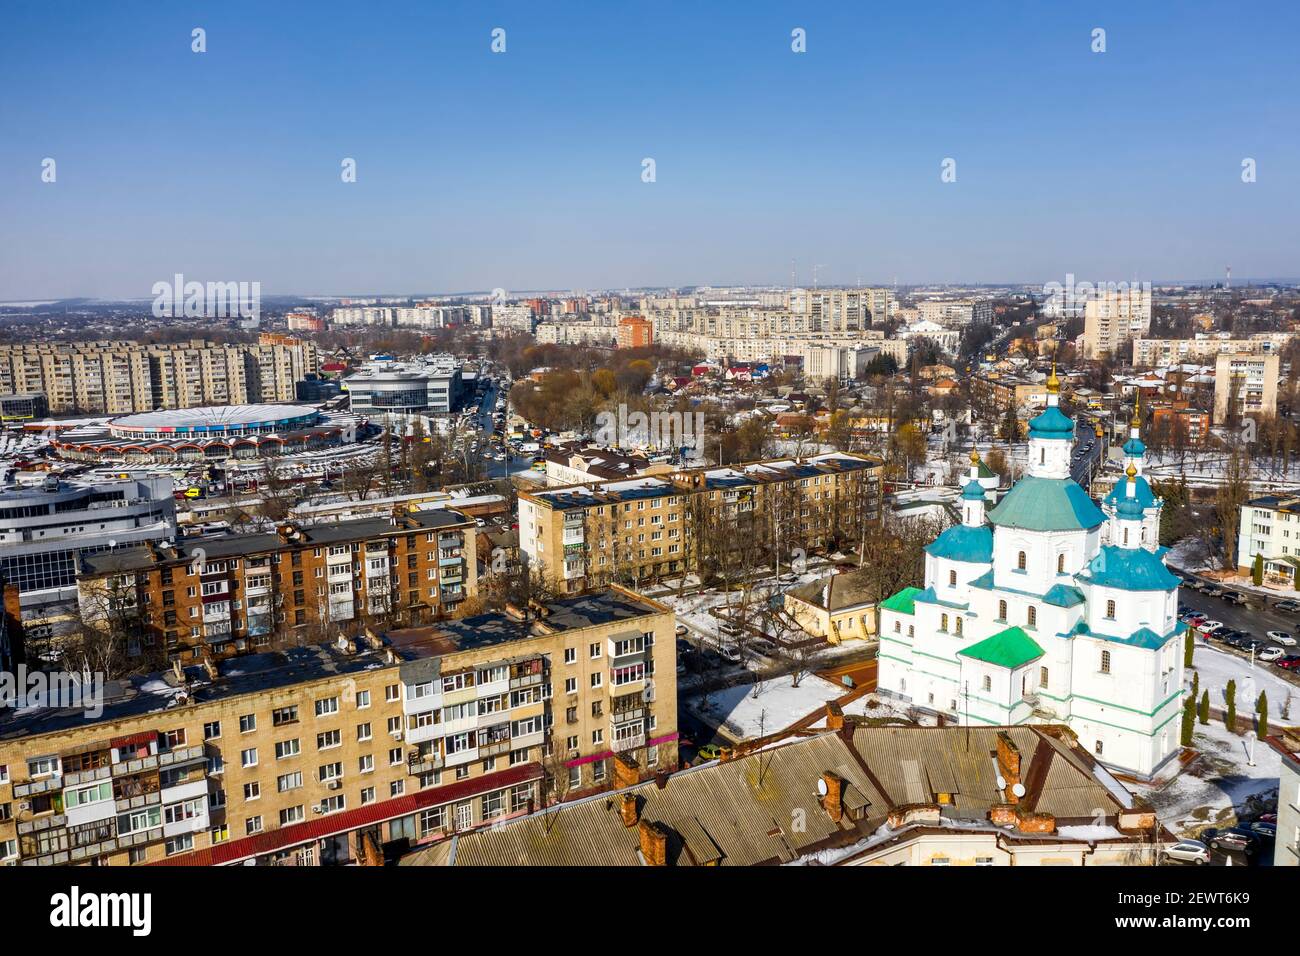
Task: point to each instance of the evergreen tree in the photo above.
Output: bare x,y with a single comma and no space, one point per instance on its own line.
1230,715
1296,582
1261,708
1257,571
1203,712
1189,720
1189,646
1196,685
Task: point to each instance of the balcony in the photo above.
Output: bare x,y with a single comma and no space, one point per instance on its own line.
527,680
631,742
495,747
461,757
448,558
417,763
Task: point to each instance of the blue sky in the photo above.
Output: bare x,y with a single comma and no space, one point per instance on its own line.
523,170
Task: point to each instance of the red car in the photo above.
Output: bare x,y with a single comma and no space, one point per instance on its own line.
1291,662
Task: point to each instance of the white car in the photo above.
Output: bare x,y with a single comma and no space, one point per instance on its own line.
1281,637
1187,851
1209,627
731,652
1269,654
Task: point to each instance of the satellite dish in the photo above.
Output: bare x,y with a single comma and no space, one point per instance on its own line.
821,787
1002,783
1018,790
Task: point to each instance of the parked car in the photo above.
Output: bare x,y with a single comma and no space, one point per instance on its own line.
1213,590
729,629
1289,607
1270,654
1209,627
1235,597
1187,851
1264,830
1291,662
709,752
731,652
1281,637
1233,839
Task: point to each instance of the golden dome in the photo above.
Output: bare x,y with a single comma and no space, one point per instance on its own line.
974,456
1132,471
1137,415
1053,383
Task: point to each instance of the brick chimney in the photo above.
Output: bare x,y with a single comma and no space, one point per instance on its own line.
1008,756
627,773
627,808
654,844
832,803
834,716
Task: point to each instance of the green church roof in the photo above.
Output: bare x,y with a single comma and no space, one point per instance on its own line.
902,602
963,543
1129,569
1010,648
1046,504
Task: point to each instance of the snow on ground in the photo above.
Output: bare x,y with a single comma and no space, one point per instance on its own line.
1216,668
1220,784
756,710
873,705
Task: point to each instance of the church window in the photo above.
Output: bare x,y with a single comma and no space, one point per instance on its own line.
988,682
1126,535
959,626
952,579
1105,662
1097,747
1020,561
1042,456
943,622
1042,677
1060,564
1002,610
1110,610
898,627
1031,616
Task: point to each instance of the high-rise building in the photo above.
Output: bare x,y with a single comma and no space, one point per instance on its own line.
1112,317
120,378
1245,386
339,752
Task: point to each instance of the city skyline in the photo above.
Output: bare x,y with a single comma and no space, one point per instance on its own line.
477,169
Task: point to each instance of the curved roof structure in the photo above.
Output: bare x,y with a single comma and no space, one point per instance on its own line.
214,420
963,543
1046,504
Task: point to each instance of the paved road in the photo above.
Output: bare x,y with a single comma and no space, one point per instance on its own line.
1084,468
1255,621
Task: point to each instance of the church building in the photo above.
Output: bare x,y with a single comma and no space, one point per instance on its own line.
1044,607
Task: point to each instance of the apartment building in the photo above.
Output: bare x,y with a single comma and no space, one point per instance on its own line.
1158,353
643,528
1269,527
345,752
1111,317
955,313
120,378
236,594
634,332
1244,386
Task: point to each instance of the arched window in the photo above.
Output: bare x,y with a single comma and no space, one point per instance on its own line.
952,579
1126,535
959,626
1020,561
1060,564
1105,662
1042,677
1031,616
943,622
1110,610
988,682
1042,456
898,627
1002,610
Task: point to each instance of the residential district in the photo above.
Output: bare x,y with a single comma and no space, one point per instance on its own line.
989,576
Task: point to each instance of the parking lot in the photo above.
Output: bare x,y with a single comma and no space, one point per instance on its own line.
1244,626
